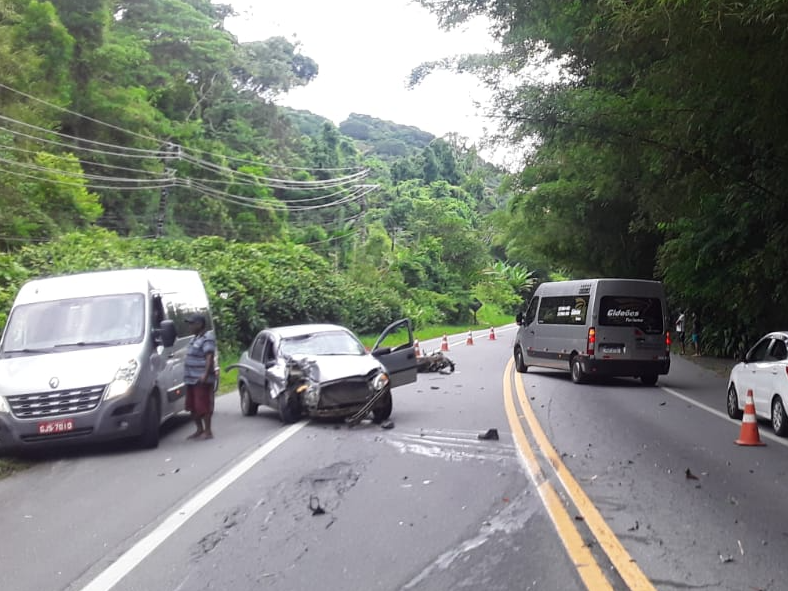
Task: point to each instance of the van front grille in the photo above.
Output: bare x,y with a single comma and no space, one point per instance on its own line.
57,402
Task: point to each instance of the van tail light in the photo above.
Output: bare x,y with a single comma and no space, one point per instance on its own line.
591,341
668,342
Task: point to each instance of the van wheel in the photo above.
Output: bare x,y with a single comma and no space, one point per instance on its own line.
779,418
248,408
649,379
149,438
576,369
289,410
519,361
732,403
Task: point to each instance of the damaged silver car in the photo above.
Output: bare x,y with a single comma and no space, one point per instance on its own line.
323,370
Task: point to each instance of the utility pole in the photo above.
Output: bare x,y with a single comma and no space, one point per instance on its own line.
170,150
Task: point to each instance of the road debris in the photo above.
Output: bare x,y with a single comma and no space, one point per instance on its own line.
690,475
741,548
724,559
490,434
314,505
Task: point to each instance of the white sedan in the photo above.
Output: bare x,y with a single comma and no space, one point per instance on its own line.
765,372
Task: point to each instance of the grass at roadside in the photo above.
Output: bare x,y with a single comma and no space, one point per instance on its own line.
10,465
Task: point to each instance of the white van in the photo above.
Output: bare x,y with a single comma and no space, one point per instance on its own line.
596,327
96,356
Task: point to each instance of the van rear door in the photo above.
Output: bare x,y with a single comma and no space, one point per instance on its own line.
631,327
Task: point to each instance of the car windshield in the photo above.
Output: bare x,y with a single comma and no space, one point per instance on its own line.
322,343
80,322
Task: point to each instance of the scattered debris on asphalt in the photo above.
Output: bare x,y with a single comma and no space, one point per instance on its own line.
314,505
690,475
634,527
490,434
724,559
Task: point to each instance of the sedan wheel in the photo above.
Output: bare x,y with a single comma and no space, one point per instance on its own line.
383,410
248,408
734,411
779,418
289,409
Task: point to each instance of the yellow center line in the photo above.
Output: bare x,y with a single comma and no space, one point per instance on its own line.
587,567
627,568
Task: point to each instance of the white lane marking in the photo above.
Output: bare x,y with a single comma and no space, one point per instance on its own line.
139,551
724,415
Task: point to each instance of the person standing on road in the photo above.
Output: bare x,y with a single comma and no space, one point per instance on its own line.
696,328
681,327
199,376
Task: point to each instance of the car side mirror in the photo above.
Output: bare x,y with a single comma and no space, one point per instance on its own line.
166,333
519,318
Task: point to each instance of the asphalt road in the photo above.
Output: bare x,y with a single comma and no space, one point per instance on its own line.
425,505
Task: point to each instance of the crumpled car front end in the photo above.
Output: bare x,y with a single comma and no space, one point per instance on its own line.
334,386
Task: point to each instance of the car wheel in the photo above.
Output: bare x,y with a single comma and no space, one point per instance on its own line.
519,360
649,379
149,438
248,408
779,418
289,410
383,409
734,411
576,369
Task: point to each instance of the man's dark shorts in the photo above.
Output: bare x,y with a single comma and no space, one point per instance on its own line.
199,399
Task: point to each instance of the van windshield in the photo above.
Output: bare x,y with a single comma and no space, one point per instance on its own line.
81,322
643,313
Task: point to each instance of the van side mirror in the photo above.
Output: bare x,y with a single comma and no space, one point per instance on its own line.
166,333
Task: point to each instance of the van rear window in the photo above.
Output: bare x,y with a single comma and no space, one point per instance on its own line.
643,313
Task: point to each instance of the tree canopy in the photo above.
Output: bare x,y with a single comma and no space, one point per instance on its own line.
655,145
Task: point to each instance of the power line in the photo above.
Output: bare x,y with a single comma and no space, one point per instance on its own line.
153,139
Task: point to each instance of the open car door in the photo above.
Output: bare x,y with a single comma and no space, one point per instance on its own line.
394,348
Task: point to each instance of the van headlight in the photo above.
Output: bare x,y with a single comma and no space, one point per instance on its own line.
380,381
123,381
4,407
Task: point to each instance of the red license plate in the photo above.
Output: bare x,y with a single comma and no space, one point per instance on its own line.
53,427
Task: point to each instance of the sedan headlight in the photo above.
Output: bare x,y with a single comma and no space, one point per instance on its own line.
380,381
4,407
123,381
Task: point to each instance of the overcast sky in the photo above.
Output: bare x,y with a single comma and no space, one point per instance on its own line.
365,50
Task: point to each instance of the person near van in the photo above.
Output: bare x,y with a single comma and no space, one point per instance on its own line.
696,328
199,376
681,327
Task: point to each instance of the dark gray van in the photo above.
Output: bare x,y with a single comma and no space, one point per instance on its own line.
595,327
96,356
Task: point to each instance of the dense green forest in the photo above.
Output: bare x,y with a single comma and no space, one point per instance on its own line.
660,139
652,138
144,134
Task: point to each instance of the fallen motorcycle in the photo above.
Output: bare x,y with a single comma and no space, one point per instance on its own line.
436,362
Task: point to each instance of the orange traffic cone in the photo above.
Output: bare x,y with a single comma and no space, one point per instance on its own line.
749,424
492,333
444,343
416,347
469,340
